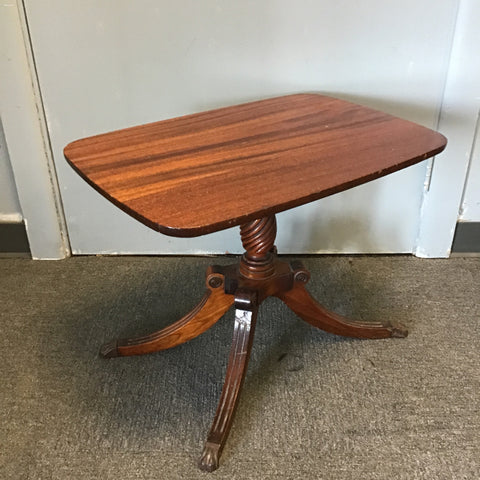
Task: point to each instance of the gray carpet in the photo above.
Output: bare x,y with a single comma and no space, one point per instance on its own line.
314,406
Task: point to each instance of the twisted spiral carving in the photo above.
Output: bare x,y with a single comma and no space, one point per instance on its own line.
258,237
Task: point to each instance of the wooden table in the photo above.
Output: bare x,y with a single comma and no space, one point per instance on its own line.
241,165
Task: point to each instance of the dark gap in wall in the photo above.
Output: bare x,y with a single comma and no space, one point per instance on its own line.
13,239
467,238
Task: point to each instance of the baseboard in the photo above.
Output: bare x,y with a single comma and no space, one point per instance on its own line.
13,240
467,238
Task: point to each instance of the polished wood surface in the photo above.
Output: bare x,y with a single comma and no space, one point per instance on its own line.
243,332
209,171
307,308
210,309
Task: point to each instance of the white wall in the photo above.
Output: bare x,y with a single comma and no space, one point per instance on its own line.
106,65
27,139
357,46
10,210
469,71
470,211
459,123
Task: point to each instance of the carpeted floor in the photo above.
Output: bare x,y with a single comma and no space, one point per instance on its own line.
314,406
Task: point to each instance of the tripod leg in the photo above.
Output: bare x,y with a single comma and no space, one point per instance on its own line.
245,320
307,308
212,306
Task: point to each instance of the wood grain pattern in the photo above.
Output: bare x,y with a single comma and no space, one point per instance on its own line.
307,308
243,332
211,308
258,238
209,171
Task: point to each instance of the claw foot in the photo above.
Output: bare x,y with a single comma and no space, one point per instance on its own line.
399,331
209,459
109,350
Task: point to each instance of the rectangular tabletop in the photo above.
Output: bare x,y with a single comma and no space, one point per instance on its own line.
205,172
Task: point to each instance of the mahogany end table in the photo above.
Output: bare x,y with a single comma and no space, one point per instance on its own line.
241,165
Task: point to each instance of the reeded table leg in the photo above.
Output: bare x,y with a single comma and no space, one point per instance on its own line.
245,320
307,308
210,309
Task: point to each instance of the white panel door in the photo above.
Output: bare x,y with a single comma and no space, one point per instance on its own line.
470,211
104,65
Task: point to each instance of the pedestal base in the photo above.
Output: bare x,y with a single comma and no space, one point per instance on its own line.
227,286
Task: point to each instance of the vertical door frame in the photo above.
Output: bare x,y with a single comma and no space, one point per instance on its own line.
27,139
458,119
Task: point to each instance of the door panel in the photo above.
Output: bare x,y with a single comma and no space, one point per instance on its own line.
109,65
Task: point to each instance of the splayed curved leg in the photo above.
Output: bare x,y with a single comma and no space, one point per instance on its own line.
210,309
245,320
307,308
